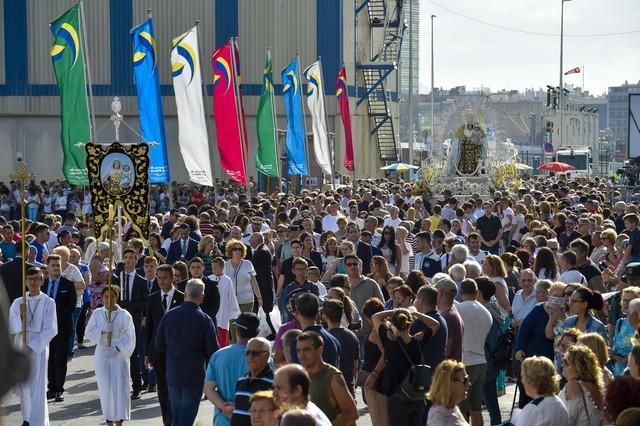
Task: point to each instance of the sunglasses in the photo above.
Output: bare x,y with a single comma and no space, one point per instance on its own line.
254,353
351,264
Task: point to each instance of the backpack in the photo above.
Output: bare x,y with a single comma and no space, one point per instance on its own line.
416,383
502,355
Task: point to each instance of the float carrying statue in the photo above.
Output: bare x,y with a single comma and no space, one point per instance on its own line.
470,150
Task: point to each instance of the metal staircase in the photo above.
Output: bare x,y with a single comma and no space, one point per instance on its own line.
384,16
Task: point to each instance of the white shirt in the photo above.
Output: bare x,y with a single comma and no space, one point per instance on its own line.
394,223
521,306
477,324
358,221
572,276
330,223
317,414
480,257
547,411
128,278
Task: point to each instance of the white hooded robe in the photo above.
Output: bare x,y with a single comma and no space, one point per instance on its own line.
112,373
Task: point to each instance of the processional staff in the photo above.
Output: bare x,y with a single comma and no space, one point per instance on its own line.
21,176
108,304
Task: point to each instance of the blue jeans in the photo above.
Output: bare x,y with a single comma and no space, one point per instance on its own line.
72,338
493,250
184,405
490,393
32,213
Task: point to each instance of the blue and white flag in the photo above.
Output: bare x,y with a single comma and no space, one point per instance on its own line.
145,69
296,139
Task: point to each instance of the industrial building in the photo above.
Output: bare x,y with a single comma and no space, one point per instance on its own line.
364,35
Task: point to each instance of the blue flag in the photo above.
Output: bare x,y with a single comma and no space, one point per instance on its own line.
145,69
296,140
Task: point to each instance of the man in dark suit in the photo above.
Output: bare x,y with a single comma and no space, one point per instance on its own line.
64,293
133,299
158,303
362,249
262,263
183,249
211,302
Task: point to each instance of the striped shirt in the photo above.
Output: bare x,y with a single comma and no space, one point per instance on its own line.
245,387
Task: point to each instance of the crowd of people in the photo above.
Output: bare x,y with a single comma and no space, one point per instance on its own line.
285,309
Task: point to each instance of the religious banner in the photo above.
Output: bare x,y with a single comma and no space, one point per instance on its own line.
118,176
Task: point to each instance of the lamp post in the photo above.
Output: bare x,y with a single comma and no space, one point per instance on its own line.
561,101
433,123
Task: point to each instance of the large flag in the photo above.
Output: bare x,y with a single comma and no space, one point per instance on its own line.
267,155
296,138
192,128
68,65
343,102
229,115
145,69
315,102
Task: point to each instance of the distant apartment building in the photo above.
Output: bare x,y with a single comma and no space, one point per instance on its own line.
618,116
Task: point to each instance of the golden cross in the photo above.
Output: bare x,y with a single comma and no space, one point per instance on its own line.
21,174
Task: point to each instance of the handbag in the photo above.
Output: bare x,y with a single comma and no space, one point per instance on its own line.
416,383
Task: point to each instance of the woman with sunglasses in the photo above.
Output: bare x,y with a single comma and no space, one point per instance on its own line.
390,249
338,266
448,389
583,394
582,303
243,277
541,383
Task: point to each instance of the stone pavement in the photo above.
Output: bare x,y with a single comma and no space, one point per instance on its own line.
82,406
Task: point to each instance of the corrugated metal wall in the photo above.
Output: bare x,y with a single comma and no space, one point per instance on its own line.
288,26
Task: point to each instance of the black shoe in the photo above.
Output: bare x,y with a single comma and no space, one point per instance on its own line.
135,395
151,388
51,395
59,397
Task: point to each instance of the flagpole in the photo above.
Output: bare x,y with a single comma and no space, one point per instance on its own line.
304,124
583,79
85,53
239,114
332,164
273,118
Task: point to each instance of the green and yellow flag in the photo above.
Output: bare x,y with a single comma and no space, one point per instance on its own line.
267,155
68,66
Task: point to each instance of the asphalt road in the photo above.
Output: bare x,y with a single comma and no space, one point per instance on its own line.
82,406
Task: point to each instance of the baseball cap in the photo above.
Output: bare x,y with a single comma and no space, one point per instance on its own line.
249,322
632,270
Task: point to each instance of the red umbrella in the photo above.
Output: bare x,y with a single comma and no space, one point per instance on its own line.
556,166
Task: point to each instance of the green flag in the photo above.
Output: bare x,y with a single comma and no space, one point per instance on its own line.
68,66
267,155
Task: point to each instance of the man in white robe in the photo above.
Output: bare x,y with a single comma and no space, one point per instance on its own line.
112,361
42,326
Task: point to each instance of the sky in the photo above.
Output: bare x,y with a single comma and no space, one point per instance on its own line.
474,55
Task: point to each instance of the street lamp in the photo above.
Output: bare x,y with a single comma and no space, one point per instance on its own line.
561,101
433,123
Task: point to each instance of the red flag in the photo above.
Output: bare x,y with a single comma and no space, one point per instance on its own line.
343,102
575,70
229,113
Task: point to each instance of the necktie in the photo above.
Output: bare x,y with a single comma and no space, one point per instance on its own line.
164,302
149,285
126,288
52,289
184,248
